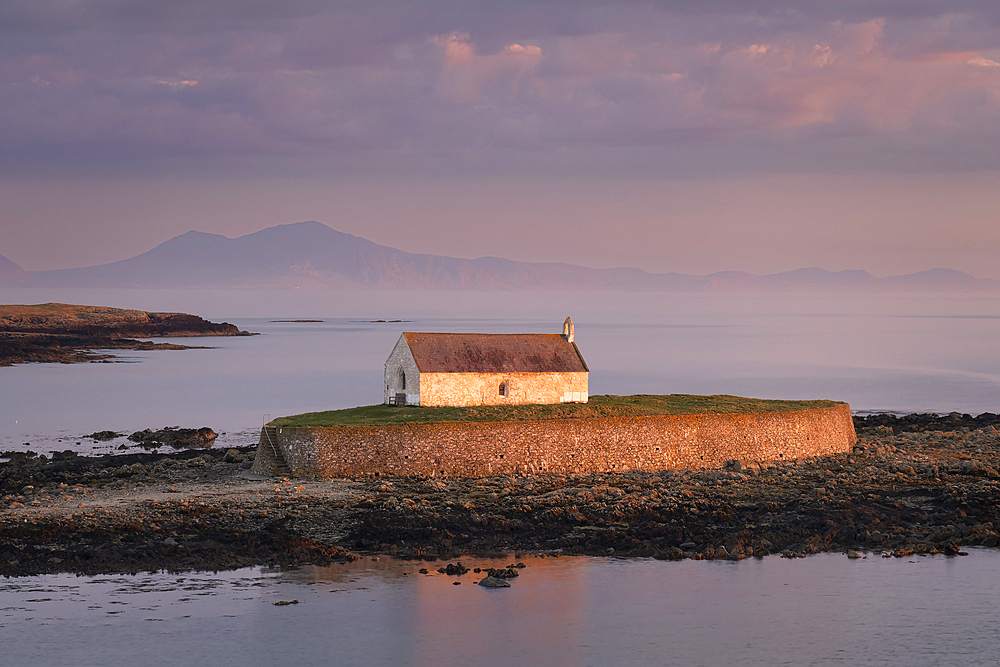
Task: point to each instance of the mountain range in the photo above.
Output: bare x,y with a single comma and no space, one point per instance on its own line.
312,255
12,275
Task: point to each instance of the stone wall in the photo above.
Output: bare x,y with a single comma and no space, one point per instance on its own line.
467,389
610,444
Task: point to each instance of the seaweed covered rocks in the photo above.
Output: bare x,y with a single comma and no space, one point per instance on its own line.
915,492
899,493
188,510
178,438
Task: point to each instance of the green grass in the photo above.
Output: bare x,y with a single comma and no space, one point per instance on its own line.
599,406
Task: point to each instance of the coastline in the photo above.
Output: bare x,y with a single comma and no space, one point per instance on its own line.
930,486
64,333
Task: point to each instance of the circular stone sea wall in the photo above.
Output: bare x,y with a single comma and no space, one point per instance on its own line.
595,445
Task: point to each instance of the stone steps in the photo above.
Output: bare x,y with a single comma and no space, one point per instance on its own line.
269,437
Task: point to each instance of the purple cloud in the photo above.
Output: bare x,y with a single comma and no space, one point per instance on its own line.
724,86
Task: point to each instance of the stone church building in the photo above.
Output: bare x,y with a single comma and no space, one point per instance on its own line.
442,369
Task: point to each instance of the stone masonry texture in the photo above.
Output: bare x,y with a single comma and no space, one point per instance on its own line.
594,445
483,388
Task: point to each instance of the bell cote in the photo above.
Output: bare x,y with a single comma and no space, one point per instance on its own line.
568,330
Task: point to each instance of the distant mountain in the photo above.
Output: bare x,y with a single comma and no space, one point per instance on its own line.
12,275
312,255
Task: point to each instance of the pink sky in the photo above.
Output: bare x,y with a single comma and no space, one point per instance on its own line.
671,136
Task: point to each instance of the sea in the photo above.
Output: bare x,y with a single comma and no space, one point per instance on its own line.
897,353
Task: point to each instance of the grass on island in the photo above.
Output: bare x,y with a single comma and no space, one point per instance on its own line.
598,406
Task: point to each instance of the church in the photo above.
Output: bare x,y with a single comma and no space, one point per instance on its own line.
452,369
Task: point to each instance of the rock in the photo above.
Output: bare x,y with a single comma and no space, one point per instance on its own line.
494,582
232,456
170,542
853,554
285,603
178,438
454,568
688,546
101,436
508,572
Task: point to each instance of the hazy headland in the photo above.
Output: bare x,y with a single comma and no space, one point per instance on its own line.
64,333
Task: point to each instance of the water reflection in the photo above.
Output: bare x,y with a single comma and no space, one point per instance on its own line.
561,611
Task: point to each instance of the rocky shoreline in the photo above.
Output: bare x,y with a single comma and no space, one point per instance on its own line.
63,333
913,485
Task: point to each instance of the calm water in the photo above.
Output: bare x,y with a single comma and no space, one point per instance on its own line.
822,610
898,353
901,353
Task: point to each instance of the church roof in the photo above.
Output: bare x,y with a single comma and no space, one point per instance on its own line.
494,353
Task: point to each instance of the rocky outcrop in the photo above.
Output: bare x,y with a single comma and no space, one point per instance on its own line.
57,332
178,438
61,318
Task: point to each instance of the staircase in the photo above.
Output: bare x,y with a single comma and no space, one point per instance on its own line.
269,435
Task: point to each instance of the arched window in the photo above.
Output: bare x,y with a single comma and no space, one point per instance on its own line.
402,379
505,388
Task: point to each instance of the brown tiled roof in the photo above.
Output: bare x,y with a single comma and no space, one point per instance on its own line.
494,353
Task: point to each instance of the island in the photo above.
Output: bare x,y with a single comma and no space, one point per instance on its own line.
605,434
915,485
65,333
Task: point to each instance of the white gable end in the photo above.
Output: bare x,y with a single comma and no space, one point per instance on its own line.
402,375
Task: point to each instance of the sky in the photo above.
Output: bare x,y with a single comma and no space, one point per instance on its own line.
692,135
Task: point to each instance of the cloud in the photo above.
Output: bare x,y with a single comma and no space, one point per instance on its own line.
599,85
980,61
177,85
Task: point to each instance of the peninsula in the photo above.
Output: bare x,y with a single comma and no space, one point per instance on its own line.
64,333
